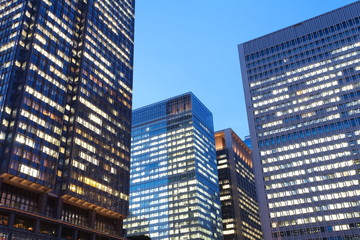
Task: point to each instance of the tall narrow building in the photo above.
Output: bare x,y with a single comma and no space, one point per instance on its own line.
174,188
240,211
65,115
302,88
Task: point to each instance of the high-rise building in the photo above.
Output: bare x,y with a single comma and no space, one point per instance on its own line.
247,141
65,115
240,211
302,87
174,188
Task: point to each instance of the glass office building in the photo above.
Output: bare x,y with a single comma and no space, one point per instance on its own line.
240,211
247,141
65,115
174,189
302,87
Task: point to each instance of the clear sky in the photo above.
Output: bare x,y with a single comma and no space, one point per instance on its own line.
191,45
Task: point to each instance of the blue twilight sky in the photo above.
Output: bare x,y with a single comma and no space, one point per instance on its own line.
191,45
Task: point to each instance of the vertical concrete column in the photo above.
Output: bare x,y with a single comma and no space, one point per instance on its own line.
93,236
92,218
37,226
59,207
11,219
75,234
119,227
59,231
1,185
43,202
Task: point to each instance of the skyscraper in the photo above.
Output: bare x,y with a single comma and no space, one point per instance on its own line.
240,211
247,141
65,113
174,184
302,87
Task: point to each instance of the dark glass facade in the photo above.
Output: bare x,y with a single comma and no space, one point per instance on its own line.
174,185
240,211
302,88
65,114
